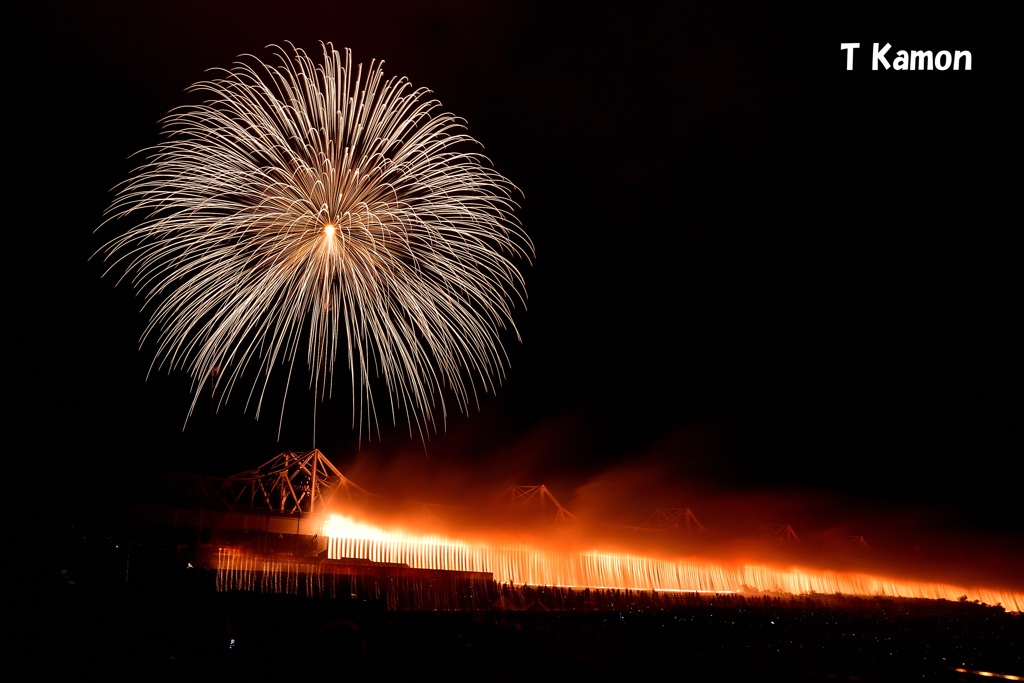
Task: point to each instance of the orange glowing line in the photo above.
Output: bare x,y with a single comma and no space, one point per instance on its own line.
989,674
523,563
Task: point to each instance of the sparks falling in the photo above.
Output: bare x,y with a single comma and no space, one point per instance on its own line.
312,208
530,563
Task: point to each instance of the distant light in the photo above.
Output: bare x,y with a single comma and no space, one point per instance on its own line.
988,674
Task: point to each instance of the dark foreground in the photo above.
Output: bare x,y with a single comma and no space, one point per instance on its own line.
92,610
188,632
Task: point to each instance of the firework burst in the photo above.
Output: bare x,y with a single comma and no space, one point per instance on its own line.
306,210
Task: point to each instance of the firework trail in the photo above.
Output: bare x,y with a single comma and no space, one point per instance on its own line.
312,209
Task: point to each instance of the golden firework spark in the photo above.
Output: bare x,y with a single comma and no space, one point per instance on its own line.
315,208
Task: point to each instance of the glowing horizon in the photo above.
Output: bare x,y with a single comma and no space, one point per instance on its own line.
590,566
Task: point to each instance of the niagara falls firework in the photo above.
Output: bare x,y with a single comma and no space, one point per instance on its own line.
309,212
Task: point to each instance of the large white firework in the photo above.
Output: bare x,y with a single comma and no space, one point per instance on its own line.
308,209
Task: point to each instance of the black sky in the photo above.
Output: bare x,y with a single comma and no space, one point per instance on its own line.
763,272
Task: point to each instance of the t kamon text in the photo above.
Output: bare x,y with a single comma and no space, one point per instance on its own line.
914,60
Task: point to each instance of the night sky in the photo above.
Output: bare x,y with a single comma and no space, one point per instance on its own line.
765,287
